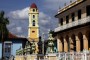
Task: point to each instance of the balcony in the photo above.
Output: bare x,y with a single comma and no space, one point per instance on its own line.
73,24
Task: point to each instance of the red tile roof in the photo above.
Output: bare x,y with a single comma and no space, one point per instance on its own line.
33,5
12,35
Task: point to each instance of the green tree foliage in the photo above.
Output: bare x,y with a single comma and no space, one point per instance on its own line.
3,25
3,30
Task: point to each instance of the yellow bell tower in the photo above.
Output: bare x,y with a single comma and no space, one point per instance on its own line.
33,30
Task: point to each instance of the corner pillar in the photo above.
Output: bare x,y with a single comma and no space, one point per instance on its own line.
65,46
71,44
85,42
60,45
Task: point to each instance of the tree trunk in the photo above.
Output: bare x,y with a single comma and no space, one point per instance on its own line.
2,50
2,46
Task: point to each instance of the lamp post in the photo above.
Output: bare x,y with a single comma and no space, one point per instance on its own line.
43,43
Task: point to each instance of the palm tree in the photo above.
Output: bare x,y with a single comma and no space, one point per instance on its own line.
3,29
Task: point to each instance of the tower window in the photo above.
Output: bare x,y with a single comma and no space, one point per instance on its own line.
33,22
33,16
33,10
79,14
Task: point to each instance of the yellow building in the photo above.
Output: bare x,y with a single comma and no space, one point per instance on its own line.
73,32
33,30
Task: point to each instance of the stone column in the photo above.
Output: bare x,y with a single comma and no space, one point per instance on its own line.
85,42
65,46
77,44
71,44
58,44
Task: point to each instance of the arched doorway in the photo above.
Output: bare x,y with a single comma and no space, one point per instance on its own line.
62,41
73,42
88,38
80,35
68,42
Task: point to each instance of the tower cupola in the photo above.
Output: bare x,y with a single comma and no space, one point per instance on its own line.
33,5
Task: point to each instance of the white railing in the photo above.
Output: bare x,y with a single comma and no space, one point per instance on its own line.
74,56
73,24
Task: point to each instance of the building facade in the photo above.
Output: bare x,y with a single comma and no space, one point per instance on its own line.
33,30
11,44
73,32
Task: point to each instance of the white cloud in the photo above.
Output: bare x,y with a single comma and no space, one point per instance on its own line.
23,14
19,29
43,18
46,22
19,26
19,14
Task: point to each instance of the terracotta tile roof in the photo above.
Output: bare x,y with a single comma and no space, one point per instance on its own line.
12,35
33,5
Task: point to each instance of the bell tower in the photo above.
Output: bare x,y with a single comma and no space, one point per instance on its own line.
33,29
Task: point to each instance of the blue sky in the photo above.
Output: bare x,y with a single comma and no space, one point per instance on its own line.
17,11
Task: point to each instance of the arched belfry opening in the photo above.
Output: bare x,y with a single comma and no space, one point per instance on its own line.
73,42
80,35
33,22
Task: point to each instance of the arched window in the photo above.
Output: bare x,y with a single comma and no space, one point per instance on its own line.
33,16
33,22
33,10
